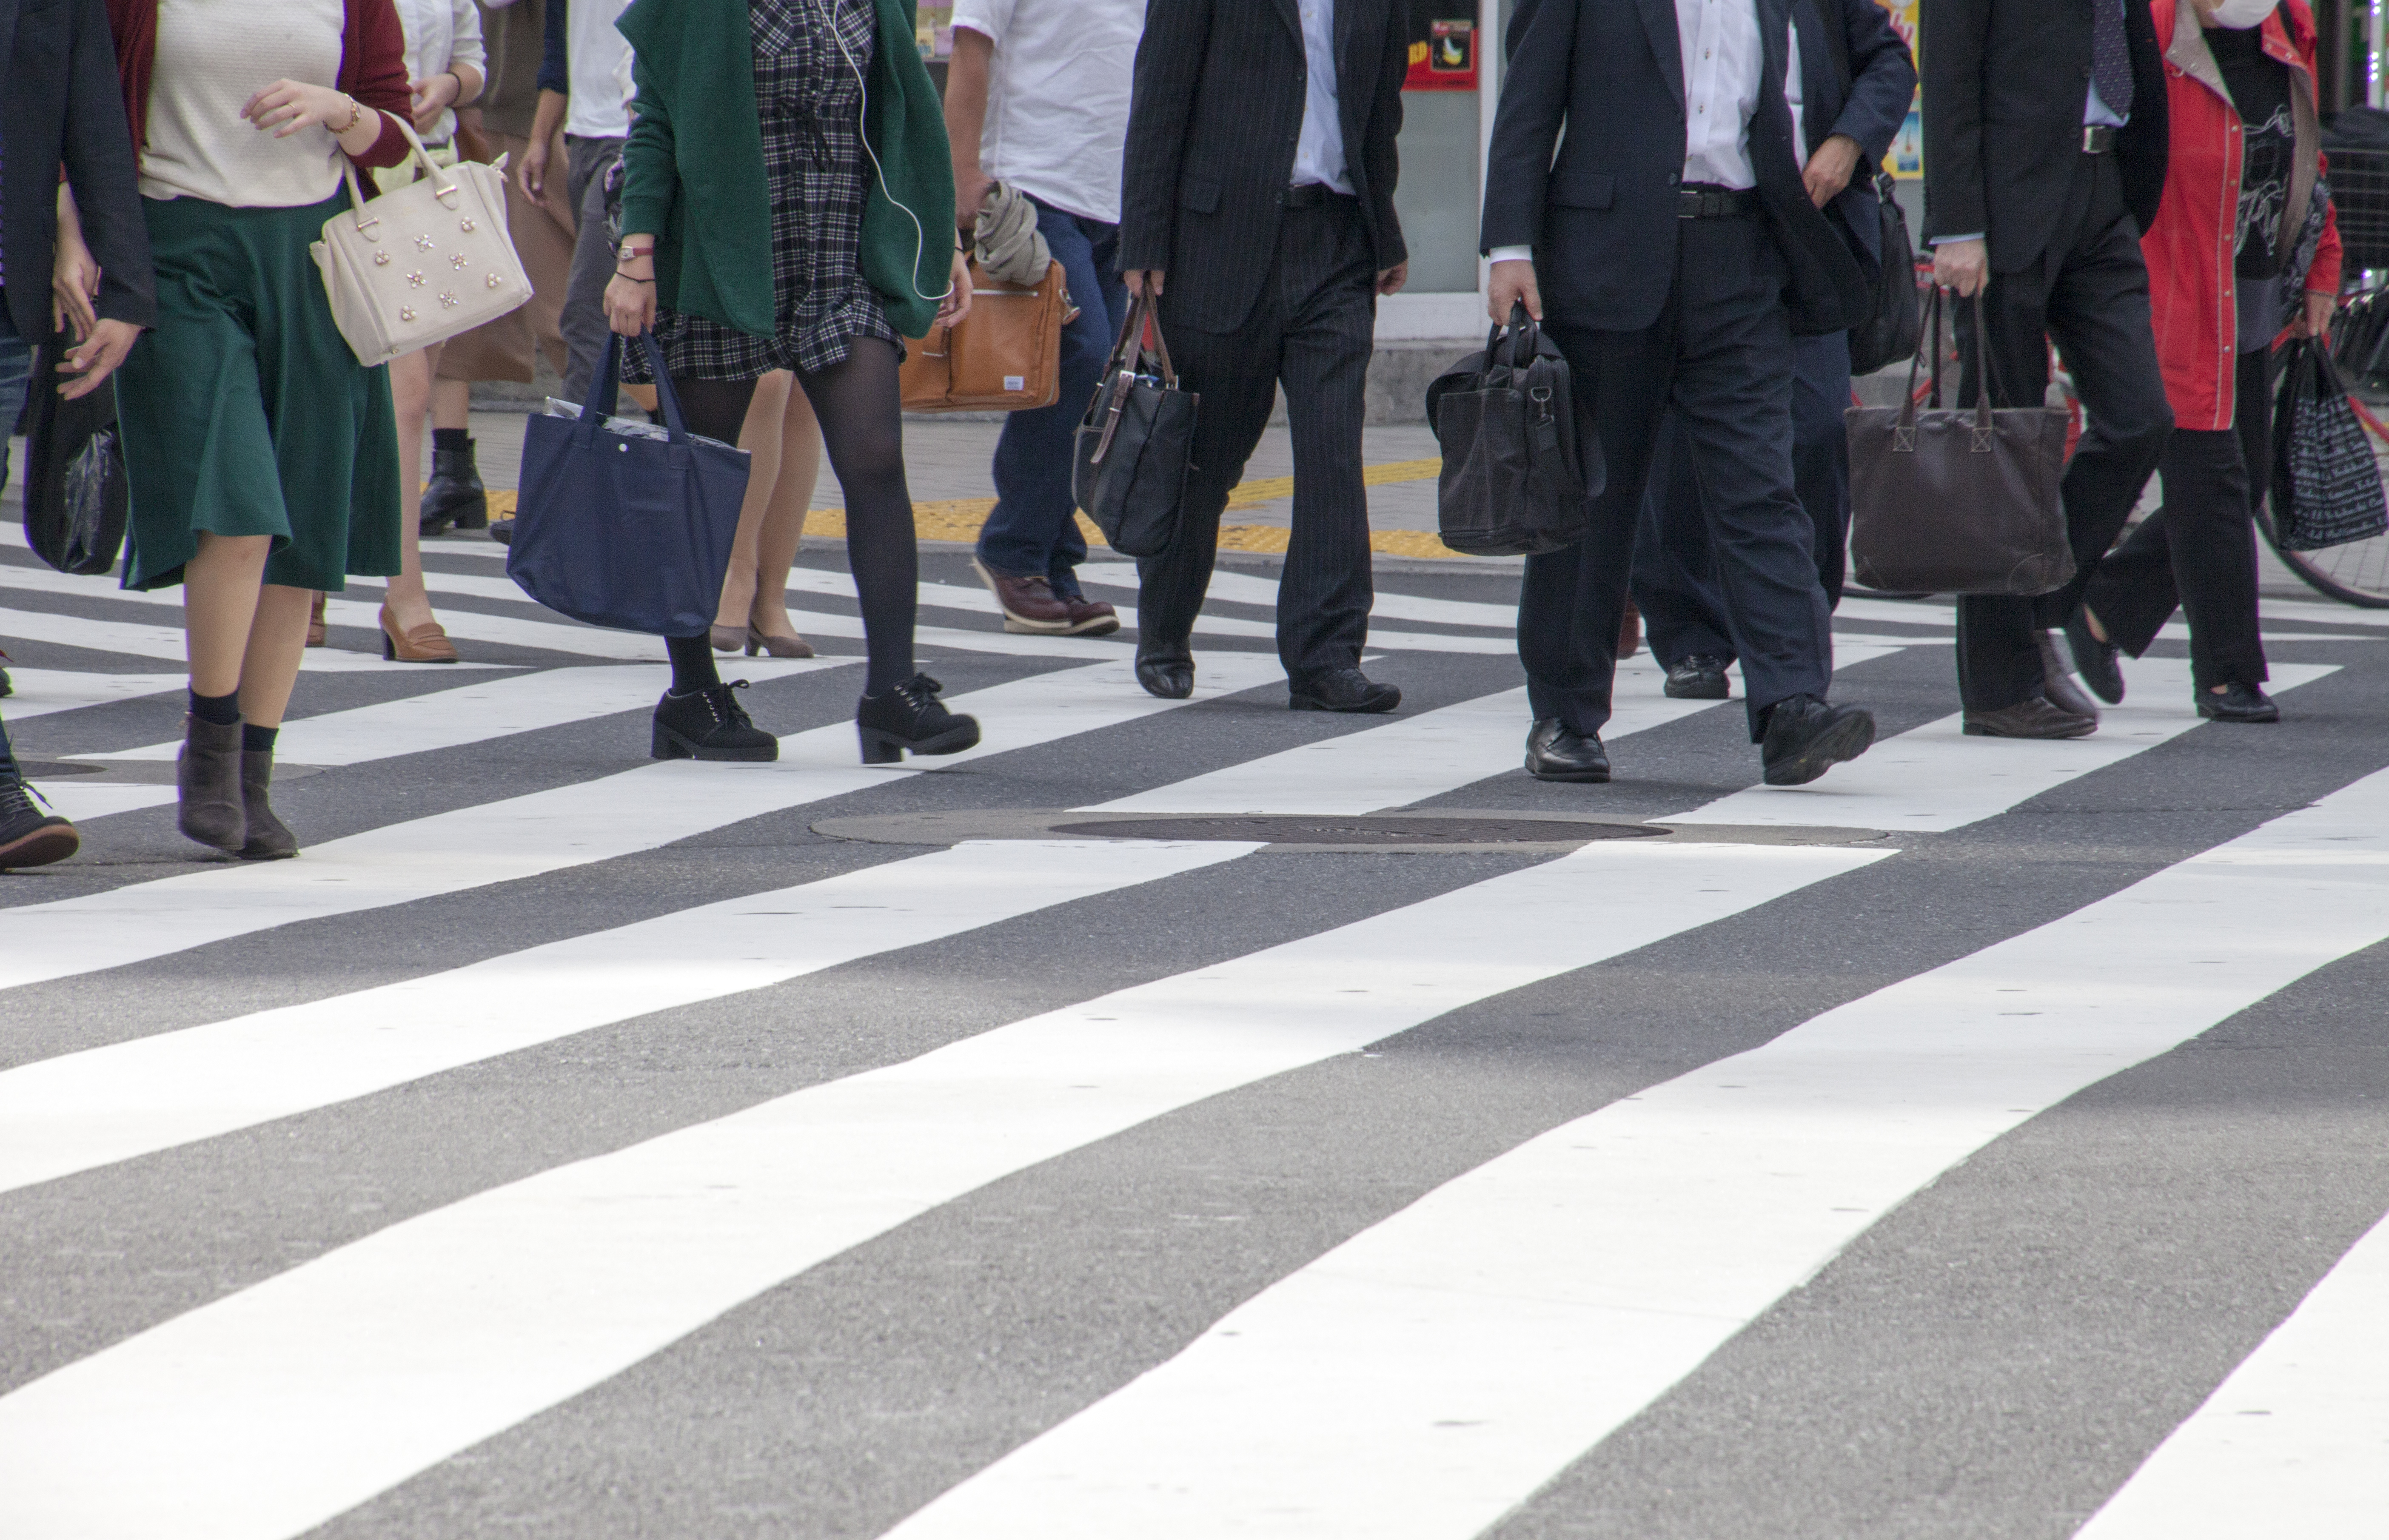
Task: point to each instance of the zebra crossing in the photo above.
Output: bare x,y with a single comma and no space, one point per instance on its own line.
581,1145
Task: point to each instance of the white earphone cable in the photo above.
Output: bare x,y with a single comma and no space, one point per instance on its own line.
920,236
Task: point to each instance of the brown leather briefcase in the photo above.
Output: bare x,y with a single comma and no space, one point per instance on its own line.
1005,356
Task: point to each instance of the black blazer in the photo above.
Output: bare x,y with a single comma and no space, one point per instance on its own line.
1602,215
2004,82
60,105
1882,82
1211,131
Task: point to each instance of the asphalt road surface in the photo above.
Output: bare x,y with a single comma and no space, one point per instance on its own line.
1990,1140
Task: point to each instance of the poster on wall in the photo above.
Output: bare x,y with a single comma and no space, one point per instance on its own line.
1443,47
1906,160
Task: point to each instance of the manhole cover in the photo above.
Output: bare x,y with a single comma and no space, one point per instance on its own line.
1297,830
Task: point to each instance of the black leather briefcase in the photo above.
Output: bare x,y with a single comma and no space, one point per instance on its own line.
1132,446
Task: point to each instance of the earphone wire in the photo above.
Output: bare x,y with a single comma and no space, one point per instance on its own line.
920,235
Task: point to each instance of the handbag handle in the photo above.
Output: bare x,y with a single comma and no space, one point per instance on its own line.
418,157
1928,340
1522,335
605,393
1987,379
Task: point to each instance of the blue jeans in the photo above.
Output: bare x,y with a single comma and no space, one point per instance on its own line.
1033,530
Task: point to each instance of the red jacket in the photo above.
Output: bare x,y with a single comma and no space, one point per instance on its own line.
372,68
2191,287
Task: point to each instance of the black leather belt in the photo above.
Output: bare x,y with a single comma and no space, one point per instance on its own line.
1695,202
1310,194
2098,138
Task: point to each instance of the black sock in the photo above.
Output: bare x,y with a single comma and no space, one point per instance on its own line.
258,739
451,437
221,710
692,662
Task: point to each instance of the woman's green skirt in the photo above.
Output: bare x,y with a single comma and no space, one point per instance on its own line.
245,412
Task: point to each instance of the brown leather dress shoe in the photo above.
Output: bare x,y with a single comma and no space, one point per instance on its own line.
1029,604
2030,718
1090,618
426,643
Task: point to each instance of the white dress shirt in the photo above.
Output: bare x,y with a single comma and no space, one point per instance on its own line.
1722,58
1057,96
1319,153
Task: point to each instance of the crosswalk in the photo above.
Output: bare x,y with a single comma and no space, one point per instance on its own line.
894,1033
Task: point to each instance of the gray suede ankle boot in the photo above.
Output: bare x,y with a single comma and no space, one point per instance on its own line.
206,774
268,840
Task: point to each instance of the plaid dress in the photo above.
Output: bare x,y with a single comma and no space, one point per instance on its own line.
810,99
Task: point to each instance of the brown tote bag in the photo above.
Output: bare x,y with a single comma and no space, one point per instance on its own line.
1958,502
1005,356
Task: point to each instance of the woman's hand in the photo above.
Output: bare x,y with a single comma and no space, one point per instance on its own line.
74,276
631,297
431,97
957,304
2315,320
286,105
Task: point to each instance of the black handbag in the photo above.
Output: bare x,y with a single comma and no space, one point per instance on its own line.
2326,483
1891,330
619,526
76,498
1517,481
1132,446
1958,502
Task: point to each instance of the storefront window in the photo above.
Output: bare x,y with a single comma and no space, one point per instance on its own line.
1440,147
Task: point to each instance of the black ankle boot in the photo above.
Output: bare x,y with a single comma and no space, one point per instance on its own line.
710,724
269,838
206,778
456,495
911,717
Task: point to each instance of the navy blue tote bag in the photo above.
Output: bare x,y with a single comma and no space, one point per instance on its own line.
620,529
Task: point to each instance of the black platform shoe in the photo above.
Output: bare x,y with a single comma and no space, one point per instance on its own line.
911,717
455,496
710,724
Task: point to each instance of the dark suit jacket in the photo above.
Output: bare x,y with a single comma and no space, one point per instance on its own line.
2004,82
1211,131
1602,215
60,105
1871,110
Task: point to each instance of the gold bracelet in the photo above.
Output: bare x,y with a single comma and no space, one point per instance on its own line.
356,112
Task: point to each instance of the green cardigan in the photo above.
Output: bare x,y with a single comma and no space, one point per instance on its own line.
692,169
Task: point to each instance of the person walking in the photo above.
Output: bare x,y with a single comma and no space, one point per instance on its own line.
2045,127
584,88
1849,99
788,201
1682,248
1257,207
444,68
782,443
2245,244
60,112
261,457
1037,99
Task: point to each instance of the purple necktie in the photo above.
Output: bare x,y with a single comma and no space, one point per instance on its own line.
2111,57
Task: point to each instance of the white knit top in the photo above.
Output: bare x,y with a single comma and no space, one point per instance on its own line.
212,57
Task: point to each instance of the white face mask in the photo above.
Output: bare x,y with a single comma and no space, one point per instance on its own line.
2241,15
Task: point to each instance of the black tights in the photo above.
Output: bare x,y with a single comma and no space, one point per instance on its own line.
858,406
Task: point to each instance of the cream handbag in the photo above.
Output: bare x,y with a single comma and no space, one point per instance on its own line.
421,263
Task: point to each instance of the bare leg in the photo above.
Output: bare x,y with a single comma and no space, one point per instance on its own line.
784,523
410,389
277,639
220,604
452,400
759,437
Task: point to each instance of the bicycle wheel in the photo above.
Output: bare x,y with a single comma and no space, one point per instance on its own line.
2356,573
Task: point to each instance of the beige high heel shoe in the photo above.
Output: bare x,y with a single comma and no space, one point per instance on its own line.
778,647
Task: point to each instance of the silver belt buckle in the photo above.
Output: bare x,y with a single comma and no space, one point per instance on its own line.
2098,138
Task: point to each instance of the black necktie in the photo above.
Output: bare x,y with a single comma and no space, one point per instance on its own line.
2111,57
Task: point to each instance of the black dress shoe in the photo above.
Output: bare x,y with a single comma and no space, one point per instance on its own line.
1165,669
2057,682
710,724
2030,718
910,717
1341,690
1557,752
28,835
1806,737
2095,660
2239,703
1697,678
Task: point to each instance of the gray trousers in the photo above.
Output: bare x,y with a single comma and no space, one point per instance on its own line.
583,320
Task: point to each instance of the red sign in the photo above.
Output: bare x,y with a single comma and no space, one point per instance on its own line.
1446,60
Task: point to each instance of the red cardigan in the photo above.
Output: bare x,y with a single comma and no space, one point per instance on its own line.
372,68
2191,288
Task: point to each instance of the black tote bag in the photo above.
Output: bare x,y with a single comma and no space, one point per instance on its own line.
1132,447
1891,331
2326,483
76,500
1958,502
622,530
1516,480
